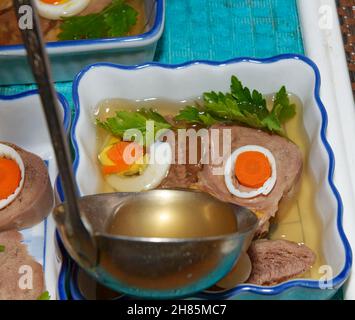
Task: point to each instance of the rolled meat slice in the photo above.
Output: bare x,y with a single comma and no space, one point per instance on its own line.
21,277
288,159
35,201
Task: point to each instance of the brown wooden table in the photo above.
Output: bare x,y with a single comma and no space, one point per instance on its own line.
346,10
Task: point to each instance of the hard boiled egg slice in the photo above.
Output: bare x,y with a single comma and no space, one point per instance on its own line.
254,167
58,9
160,159
12,175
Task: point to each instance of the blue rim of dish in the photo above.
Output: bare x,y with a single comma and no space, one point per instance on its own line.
268,291
62,283
159,18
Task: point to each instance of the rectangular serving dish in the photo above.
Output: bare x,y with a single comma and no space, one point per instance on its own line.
69,57
181,82
22,122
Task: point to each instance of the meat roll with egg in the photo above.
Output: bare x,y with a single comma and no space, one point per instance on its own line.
26,195
266,186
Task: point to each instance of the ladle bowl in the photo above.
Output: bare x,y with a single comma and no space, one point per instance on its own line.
162,243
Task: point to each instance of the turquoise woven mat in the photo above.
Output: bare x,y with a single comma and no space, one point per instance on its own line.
222,29
219,30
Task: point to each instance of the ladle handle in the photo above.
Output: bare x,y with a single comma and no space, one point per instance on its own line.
39,62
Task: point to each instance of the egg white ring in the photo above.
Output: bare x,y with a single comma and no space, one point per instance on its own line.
160,160
228,173
59,11
11,154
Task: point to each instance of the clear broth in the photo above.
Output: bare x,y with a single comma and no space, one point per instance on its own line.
297,218
141,24
173,217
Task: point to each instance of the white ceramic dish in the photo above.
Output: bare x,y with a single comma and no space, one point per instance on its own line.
301,77
69,57
22,123
323,42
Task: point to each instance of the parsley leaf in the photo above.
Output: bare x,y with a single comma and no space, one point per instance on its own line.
115,20
241,106
127,120
194,115
282,109
252,103
44,296
120,20
2,248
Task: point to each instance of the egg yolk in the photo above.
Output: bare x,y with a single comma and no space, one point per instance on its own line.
252,169
54,2
10,177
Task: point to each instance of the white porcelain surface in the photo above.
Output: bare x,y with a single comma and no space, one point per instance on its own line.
299,75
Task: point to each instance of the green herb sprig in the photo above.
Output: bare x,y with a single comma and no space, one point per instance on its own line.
2,248
115,20
44,296
127,120
241,106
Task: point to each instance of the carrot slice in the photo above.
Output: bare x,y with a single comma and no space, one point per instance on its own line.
252,169
54,2
10,177
122,157
110,170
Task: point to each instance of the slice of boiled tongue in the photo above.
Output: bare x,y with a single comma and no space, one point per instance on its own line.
96,6
4,5
275,261
21,277
35,201
288,159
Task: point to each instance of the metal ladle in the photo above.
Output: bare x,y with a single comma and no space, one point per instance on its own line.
174,253
38,59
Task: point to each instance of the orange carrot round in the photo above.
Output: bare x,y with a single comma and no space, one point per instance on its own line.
122,157
111,169
10,177
252,169
54,2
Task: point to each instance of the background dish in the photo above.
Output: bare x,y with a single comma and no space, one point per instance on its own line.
33,136
68,57
194,78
